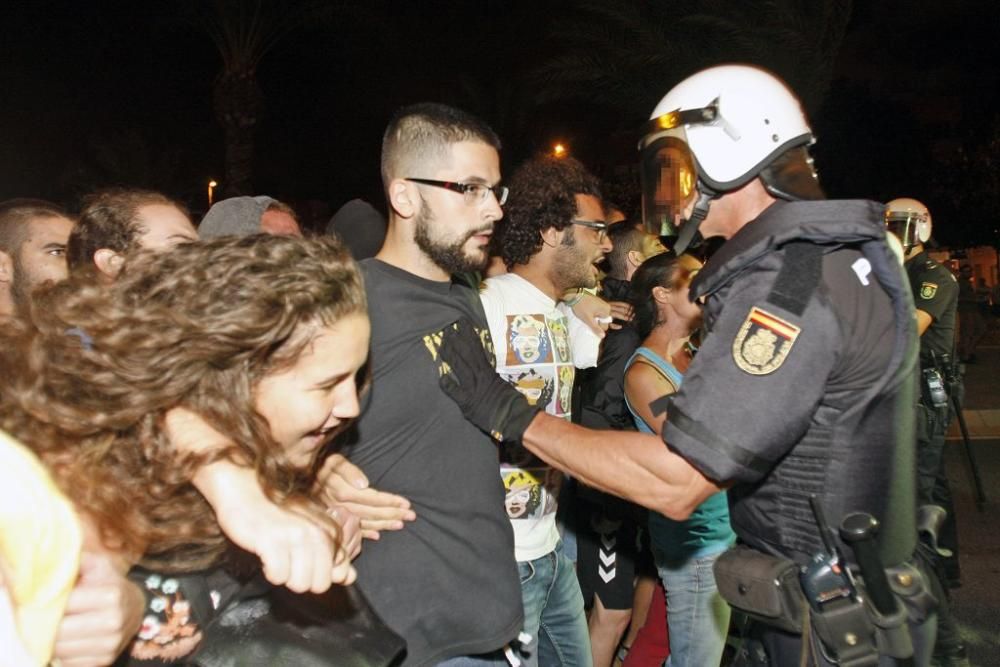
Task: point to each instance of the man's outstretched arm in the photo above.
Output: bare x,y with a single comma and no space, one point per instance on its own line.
634,466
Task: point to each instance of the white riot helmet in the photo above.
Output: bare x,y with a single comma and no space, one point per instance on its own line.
714,132
909,220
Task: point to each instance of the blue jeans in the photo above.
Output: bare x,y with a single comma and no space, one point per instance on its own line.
553,612
697,615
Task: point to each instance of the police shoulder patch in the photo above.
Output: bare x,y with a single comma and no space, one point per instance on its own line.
763,342
928,290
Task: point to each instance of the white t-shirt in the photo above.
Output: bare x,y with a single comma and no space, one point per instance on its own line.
539,344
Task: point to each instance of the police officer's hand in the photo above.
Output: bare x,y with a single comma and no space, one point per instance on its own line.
468,377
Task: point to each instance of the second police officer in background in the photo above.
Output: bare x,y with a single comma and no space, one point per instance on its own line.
935,295
802,392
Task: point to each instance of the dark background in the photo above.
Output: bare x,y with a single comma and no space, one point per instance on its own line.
903,95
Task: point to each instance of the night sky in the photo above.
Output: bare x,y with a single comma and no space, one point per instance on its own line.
104,93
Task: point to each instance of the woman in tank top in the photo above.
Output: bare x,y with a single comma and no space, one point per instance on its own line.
684,550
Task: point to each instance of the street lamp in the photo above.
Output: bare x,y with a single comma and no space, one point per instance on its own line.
211,190
559,150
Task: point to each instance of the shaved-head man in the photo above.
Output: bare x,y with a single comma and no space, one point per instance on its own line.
33,236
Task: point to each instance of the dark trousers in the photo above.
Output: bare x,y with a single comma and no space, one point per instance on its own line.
933,489
932,482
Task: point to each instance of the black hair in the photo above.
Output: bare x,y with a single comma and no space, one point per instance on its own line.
661,270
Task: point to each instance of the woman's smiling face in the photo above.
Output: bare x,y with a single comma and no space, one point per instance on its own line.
305,402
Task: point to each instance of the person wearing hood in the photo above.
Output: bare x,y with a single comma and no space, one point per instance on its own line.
243,216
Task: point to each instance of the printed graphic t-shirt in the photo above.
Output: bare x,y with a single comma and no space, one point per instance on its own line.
537,342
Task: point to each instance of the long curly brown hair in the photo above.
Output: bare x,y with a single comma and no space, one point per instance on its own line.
89,376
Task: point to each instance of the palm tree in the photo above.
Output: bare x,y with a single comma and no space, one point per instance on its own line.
244,31
626,55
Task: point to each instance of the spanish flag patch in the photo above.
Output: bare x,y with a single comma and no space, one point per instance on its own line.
763,342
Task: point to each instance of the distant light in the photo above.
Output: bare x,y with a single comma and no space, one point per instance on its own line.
559,150
212,184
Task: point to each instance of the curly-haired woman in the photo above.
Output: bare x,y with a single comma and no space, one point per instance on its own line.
262,338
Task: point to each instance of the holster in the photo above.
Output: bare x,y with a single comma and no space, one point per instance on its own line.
930,518
845,632
909,582
763,587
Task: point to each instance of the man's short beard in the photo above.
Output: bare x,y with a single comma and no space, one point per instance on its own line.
569,266
21,288
449,257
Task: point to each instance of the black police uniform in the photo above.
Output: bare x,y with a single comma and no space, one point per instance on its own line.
935,291
804,384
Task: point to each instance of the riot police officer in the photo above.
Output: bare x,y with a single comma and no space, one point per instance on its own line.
801,395
935,296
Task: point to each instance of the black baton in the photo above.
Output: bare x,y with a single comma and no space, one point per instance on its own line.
858,529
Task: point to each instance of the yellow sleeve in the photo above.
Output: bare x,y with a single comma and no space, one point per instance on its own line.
40,540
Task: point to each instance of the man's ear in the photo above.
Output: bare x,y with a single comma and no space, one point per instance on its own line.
108,262
552,236
401,198
634,258
6,268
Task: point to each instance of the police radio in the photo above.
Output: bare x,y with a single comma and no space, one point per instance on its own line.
826,578
936,391
837,611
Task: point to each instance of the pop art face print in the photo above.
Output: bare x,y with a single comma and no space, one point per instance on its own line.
538,360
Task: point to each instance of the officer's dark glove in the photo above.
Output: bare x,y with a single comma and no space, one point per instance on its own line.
469,378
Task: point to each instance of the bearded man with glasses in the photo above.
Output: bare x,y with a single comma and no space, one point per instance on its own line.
447,582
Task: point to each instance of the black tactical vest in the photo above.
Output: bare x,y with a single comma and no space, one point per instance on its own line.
858,452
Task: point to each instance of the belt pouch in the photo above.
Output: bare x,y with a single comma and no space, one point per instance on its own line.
764,587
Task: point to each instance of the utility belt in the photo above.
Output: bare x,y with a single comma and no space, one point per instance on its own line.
826,600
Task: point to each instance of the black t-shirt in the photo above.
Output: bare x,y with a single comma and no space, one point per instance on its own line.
787,404
447,582
935,291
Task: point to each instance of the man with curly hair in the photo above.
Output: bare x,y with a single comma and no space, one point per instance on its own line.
551,238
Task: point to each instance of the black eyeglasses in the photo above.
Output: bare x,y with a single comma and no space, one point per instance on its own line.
474,193
601,227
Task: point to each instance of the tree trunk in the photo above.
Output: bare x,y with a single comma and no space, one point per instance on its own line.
238,178
238,103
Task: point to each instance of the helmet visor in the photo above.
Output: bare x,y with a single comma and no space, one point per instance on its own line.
669,177
904,226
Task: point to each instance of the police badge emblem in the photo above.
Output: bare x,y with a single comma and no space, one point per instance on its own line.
928,290
763,342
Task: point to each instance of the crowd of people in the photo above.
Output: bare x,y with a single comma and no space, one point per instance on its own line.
583,452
